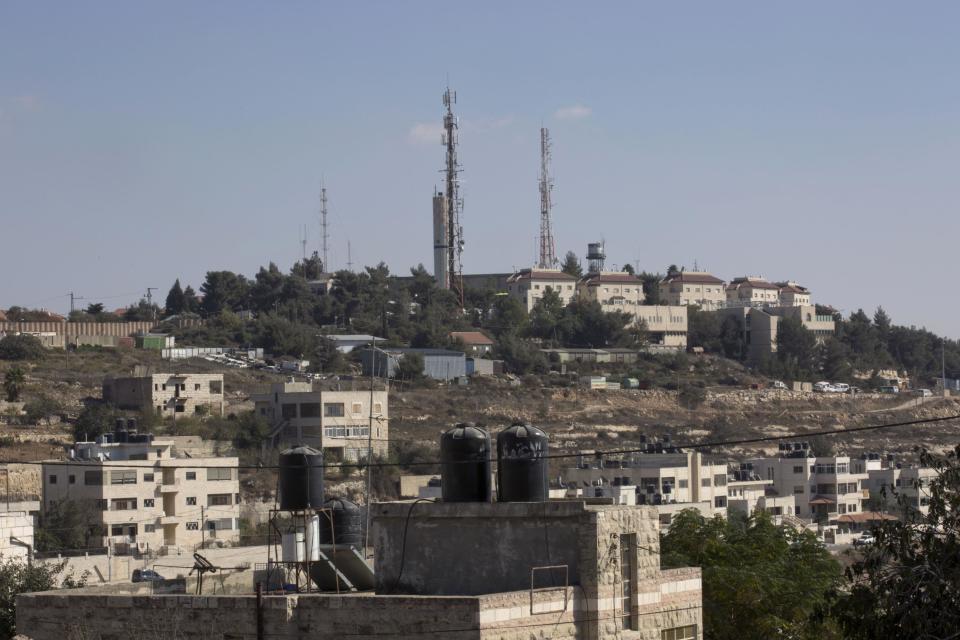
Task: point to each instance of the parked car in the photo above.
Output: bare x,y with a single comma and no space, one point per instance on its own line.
146,575
778,384
822,387
889,389
854,390
864,539
923,393
841,387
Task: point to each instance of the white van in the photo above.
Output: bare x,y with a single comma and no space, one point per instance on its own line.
822,387
841,387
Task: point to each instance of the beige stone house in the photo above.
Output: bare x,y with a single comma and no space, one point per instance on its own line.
143,499
529,285
752,291
167,394
614,290
338,421
693,287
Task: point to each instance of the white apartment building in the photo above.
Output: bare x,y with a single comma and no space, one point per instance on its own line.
823,488
529,285
167,394
752,291
898,488
657,478
614,290
693,287
142,498
325,419
793,295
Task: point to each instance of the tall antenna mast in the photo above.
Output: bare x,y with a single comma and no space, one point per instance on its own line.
454,202
303,244
324,236
548,249
349,257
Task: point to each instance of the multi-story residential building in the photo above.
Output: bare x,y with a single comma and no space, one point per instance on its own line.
693,287
896,488
666,325
759,326
752,291
823,488
748,493
529,285
338,421
140,497
614,290
793,295
167,394
660,478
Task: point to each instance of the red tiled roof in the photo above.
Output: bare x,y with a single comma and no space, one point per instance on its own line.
756,283
823,500
596,278
792,288
694,277
471,337
540,274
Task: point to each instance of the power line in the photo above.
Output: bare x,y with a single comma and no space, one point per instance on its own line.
610,452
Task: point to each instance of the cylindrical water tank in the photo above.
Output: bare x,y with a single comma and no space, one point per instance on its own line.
312,538
342,523
465,464
522,464
301,479
292,547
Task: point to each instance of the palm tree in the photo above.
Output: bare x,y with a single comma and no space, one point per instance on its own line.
13,383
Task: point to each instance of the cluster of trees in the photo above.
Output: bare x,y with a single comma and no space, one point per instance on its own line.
21,347
759,580
763,581
289,319
860,344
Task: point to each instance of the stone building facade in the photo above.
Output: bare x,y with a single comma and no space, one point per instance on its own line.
504,571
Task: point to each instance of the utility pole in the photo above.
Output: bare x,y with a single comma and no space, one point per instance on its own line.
203,529
74,298
324,235
349,258
943,366
153,313
303,250
454,201
548,249
373,366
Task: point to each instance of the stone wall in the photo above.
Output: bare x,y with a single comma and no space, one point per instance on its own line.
82,614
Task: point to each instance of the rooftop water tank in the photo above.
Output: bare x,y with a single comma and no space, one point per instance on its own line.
465,464
301,479
522,464
342,523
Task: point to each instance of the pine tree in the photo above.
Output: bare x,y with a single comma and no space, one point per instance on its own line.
176,300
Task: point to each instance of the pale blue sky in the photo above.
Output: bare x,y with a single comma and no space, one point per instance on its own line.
140,142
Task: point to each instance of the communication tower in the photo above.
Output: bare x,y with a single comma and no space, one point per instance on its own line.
454,201
548,249
324,235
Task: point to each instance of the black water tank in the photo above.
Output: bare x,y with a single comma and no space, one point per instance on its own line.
465,464
522,464
342,523
301,479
